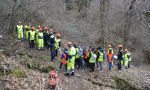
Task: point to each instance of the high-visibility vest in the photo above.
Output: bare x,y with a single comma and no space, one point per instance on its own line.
64,59
92,58
72,51
20,28
129,54
101,57
77,50
40,35
126,57
110,57
32,35
56,44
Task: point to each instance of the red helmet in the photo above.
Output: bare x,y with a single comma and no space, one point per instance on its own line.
40,29
32,28
120,46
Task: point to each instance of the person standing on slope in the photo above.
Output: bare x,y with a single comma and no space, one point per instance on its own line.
71,59
31,37
19,30
120,57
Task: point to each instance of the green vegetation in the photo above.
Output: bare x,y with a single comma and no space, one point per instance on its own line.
46,69
19,73
122,84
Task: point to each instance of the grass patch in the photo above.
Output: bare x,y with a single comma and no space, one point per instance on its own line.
122,84
46,69
19,73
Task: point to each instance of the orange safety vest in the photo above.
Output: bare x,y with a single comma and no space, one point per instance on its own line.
64,60
110,57
52,82
86,54
53,77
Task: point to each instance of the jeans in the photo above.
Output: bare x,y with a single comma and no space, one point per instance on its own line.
119,65
110,65
31,42
100,66
52,51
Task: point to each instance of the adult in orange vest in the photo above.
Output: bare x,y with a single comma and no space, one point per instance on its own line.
64,60
110,58
86,57
53,79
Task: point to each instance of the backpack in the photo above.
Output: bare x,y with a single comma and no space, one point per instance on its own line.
52,39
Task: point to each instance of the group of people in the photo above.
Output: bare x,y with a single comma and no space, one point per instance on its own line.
79,57
42,37
75,56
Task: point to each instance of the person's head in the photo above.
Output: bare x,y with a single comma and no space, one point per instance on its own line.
19,22
93,49
110,51
126,50
52,69
101,50
65,50
32,28
45,28
70,44
109,46
40,29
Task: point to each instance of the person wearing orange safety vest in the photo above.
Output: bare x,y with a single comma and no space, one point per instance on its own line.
53,79
31,37
19,30
110,58
110,48
86,56
64,60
